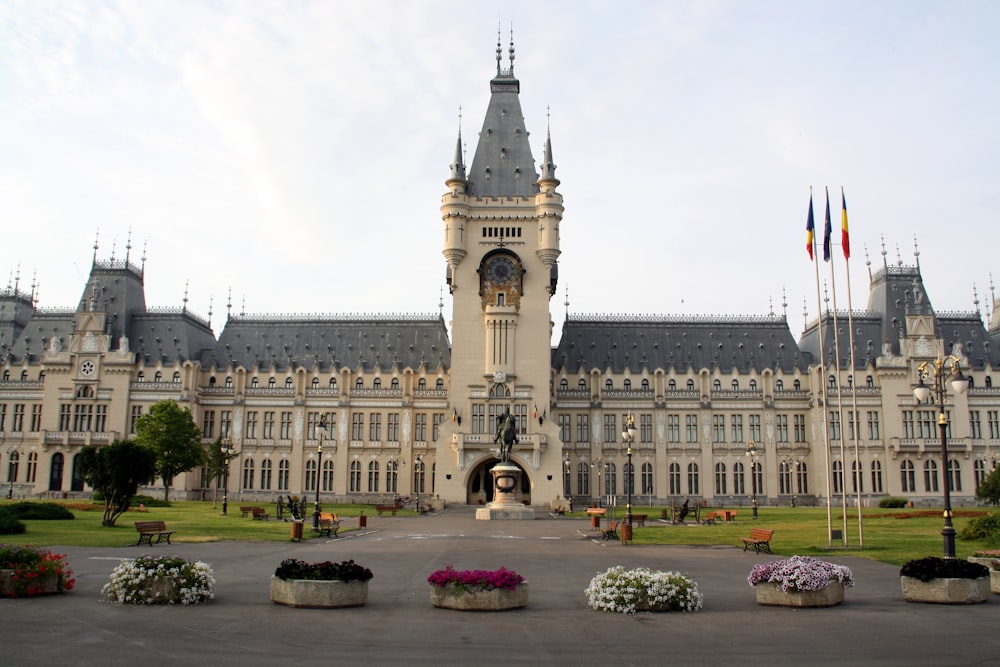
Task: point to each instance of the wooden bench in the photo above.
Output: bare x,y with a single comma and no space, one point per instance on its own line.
760,540
611,532
259,513
392,509
710,519
246,510
148,529
329,524
639,520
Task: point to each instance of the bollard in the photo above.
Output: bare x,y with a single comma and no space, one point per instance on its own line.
362,520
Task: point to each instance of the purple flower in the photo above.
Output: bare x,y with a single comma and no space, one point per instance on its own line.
487,579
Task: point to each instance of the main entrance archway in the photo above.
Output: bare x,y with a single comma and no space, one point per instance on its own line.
479,488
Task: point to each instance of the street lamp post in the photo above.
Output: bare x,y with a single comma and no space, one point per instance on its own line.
319,464
752,457
940,371
628,437
13,454
228,452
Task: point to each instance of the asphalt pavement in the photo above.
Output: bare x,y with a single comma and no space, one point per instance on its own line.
557,556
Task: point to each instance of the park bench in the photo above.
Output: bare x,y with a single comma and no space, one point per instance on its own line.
392,509
259,513
760,540
611,532
329,524
245,510
710,519
639,520
149,529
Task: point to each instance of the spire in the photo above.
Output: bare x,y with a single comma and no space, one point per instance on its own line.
458,165
548,168
97,238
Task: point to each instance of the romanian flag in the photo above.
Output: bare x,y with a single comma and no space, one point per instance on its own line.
454,414
810,228
536,411
827,230
845,238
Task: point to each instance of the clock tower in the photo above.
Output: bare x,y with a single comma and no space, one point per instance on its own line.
501,221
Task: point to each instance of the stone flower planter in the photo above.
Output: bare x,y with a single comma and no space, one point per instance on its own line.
946,590
477,599
47,584
314,594
771,595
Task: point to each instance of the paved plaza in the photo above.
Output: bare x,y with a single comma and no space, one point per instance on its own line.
558,557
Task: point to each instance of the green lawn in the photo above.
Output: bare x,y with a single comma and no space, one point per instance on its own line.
891,536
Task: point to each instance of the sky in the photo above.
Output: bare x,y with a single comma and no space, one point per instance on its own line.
293,154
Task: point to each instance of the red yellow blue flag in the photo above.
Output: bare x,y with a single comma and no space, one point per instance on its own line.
810,228
845,238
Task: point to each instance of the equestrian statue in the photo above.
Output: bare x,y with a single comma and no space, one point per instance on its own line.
506,435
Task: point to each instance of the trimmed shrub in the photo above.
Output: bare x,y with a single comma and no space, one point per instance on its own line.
29,511
985,527
10,525
892,502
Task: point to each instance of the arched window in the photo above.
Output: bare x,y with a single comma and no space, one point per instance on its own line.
422,383
693,480
907,476
930,476
333,383
717,385
394,384
315,383
675,478
85,391
645,384
720,478
377,383
177,377
672,385
978,471
647,479
248,475
359,383
355,484
419,474
283,472
955,474
628,385
608,385
158,377
690,385
439,384
141,377
736,385
831,382
24,376
229,380
857,479
583,479
838,477
610,479
753,385
739,482
869,381
271,382
563,384
779,385
211,381
255,382
582,385
288,383
373,477
311,475
265,475
876,476
802,478
391,476
989,381
757,478
784,478
327,481
628,473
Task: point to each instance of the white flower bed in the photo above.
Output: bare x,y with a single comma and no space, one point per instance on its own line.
800,573
160,580
628,591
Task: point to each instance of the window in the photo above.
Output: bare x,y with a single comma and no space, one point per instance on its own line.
720,478
781,427
135,413
271,382
315,383
565,427
853,425
755,428
610,429
419,474
286,425
717,385
100,418
65,416
834,425
391,477
375,430
225,423
83,416
718,428
690,385
907,477
628,385
674,478
327,477
645,385
975,425
691,428
647,479
909,430
439,385
737,427
954,475
394,385
736,385
18,423
229,381
436,427
779,385
926,423
373,477
739,483
36,417
993,421
831,382
673,428
583,479
32,467
646,428
784,478
392,427
359,383
979,472
564,385
283,468
876,476
582,385
800,428
208,424
583,428
13,462
255,382
248,475
265,475
333,383
873,428
355,478
857,479
693,480
377,383
672,385
610,479
629,478
268,425
251,426
869,381
357,426
838,477
801,478
311,475
288,383
478,418
930,476
420,427
176,377
422,384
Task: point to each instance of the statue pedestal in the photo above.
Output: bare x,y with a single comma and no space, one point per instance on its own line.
505,506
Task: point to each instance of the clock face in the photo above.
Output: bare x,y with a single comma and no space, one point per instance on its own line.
501,271
87,368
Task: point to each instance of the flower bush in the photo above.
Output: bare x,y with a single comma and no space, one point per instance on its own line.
348,570
628,591
483,579
800,573
28,566
135,581
933,567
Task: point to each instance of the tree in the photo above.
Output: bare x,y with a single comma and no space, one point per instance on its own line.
117,470
170,431
989,490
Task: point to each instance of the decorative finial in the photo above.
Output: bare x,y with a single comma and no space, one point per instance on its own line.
975,298
97,238
186,283
826,296
770,305
899,256
566,302
885,254
211,300
243,306
142,269
114,246
784,303
916,251
499,48
805,313
440,301
229,304
128,246
868,263
512,48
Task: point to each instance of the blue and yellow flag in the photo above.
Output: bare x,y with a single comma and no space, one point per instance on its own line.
810,228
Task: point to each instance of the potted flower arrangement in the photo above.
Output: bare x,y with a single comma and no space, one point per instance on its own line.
478,590
629,591
945,581
800,581
160,580
985,556
30,571
325,585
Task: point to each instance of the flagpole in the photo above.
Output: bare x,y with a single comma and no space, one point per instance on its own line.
827,231
810,226
856,427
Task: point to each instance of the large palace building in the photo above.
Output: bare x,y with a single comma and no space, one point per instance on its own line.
726,410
